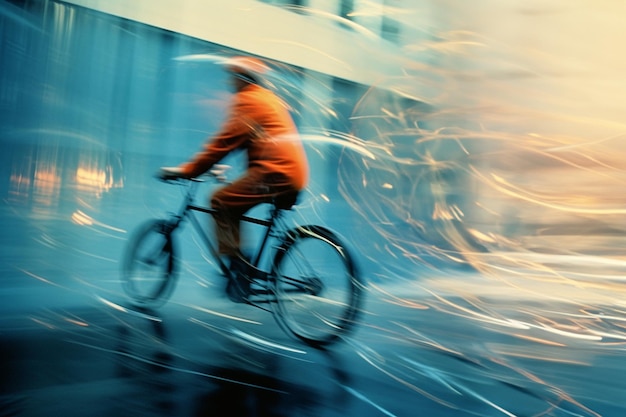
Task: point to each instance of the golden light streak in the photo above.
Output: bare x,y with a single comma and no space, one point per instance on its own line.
37,277
346,141
518,193
398,300
538,340
535,357
43,323
482,317
76,322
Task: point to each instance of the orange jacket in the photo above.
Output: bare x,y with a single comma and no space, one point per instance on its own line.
259,122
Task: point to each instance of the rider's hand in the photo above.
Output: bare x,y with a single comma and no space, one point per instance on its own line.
170,173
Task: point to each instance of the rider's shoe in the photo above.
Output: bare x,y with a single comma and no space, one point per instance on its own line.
238,287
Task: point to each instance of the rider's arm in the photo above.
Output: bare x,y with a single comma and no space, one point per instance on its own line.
236,130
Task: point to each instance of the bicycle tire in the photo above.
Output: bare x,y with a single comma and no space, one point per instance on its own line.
149,267
317,286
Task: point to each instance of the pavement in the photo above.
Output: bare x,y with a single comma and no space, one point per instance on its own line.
415,353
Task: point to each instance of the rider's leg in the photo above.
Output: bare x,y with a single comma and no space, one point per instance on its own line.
231,203
234,200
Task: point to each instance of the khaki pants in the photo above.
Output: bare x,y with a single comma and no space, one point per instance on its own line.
234,200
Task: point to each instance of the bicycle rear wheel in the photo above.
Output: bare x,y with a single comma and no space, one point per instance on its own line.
318,289
149,264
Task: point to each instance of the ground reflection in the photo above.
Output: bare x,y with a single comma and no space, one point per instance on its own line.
218,373
145,361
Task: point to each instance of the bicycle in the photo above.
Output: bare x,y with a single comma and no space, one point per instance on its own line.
312,283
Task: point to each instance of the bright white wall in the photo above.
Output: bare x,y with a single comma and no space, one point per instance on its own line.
312,42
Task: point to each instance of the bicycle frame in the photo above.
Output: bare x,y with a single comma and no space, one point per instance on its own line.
311,300
189,206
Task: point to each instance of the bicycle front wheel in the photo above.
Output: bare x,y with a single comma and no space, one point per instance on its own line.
149,264
318,289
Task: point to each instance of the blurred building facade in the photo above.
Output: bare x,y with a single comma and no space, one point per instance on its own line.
443,117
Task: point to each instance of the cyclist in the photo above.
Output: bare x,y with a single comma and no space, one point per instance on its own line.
259,123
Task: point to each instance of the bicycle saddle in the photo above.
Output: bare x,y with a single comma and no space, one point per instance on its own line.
286,200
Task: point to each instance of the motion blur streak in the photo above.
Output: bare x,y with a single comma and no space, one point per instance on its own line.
364,398
471,154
